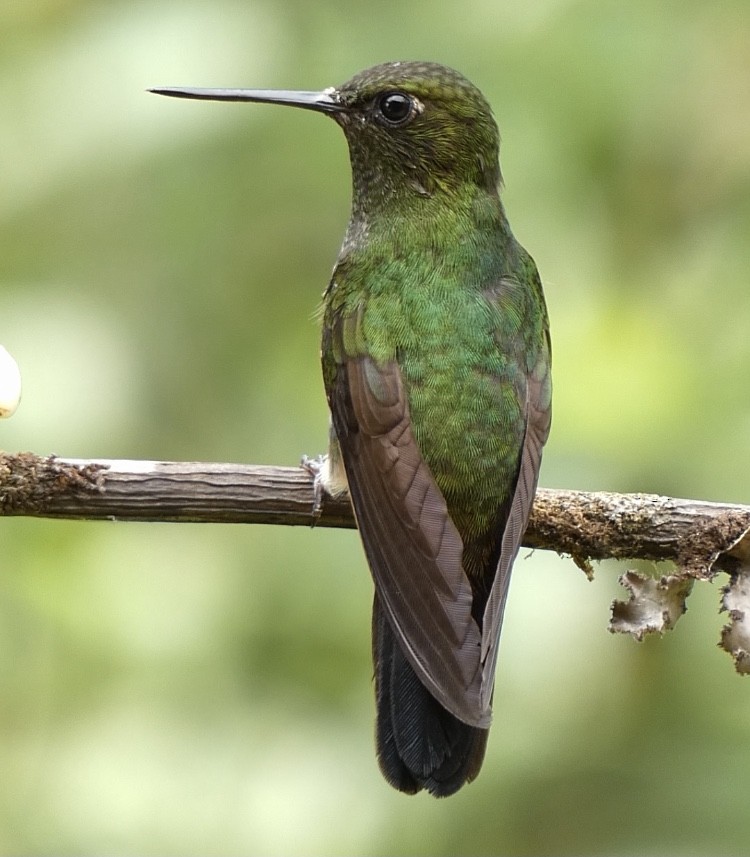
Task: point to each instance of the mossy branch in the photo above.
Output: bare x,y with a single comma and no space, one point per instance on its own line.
701,538
586,525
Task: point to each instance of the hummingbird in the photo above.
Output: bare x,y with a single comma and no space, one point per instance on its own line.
436,364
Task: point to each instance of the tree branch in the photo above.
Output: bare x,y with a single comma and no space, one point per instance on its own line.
585,525
700,538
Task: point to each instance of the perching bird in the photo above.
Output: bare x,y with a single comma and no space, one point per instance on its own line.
436,362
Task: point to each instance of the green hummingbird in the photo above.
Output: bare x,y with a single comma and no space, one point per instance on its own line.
436,363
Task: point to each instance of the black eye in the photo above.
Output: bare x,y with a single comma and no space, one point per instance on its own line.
395,107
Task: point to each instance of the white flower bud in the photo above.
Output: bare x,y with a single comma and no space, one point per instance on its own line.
10,384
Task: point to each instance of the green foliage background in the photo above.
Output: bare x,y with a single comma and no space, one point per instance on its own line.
185,689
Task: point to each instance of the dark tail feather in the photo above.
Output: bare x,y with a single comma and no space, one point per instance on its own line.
419,743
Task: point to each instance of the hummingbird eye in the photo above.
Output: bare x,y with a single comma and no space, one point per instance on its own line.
396,108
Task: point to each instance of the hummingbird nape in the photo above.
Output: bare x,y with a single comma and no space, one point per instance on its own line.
436,363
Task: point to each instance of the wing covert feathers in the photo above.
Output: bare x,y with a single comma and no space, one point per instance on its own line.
413,547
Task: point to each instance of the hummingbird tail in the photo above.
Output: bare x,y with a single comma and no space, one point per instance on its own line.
419,743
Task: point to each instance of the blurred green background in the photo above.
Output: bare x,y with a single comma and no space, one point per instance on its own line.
176,689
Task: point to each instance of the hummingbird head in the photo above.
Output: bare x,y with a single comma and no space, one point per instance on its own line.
414,128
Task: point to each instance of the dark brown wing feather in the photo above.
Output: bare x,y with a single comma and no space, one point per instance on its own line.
412,546
537,420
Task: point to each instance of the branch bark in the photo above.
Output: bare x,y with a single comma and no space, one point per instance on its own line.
700,537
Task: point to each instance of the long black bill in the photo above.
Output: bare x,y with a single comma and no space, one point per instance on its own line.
323,102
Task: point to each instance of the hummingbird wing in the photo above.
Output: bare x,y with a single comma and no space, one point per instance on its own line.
537,413
413,547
